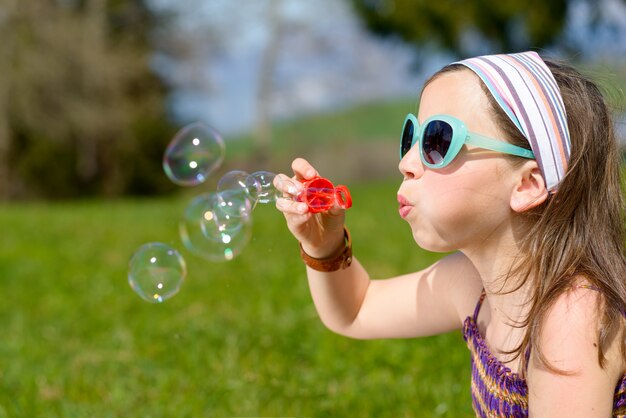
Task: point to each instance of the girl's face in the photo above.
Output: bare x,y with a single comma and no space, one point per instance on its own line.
468,201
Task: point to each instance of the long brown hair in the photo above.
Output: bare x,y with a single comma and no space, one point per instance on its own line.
579,230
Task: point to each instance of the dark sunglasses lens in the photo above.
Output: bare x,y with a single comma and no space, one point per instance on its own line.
436,141
407,137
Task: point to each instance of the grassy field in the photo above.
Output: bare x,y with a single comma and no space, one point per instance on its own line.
241,338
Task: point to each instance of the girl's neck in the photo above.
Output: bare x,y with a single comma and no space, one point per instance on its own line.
493,259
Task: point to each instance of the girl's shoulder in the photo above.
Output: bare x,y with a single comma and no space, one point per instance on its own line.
569,338
577,385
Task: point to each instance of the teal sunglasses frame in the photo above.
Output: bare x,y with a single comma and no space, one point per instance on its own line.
460,136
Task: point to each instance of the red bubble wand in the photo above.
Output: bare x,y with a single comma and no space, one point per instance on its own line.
320,195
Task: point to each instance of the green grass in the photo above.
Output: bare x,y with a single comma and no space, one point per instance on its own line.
241,338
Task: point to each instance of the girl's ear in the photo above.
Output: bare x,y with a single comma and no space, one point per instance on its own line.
530,190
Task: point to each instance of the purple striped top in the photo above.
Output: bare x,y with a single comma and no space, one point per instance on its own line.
499,392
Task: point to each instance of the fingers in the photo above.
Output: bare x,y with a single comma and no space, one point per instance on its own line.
336,210
306,225
290,197
291,207
292,186
288,203
297,215
303,170
289,187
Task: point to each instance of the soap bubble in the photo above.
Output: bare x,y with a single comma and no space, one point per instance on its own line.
156,271
210,232
268,192
233,204
241,181
195,152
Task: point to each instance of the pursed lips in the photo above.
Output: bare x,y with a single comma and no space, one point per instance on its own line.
404,206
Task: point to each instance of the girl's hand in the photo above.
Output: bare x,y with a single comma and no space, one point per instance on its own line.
321,234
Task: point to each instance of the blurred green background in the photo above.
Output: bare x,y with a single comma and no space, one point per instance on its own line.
86,112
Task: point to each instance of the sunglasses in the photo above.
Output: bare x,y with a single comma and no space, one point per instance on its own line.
441,137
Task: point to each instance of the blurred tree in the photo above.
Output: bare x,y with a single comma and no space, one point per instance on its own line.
208,36
6,52
455,25
269,60
80,109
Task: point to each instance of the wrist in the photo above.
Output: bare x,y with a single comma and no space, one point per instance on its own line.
340,258
332,246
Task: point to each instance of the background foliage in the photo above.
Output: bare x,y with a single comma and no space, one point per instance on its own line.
81,112
469,27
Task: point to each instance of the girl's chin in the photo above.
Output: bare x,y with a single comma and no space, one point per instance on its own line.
433,244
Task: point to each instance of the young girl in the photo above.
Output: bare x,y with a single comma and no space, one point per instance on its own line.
511,161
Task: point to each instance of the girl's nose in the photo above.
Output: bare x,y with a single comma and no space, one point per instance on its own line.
411,165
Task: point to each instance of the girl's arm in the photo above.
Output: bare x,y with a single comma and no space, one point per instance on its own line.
427,302
569,342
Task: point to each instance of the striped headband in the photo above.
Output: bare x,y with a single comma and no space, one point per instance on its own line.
525,89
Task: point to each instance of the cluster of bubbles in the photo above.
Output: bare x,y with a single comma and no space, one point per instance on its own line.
215,226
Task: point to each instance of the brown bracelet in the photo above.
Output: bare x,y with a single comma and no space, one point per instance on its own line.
339,260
